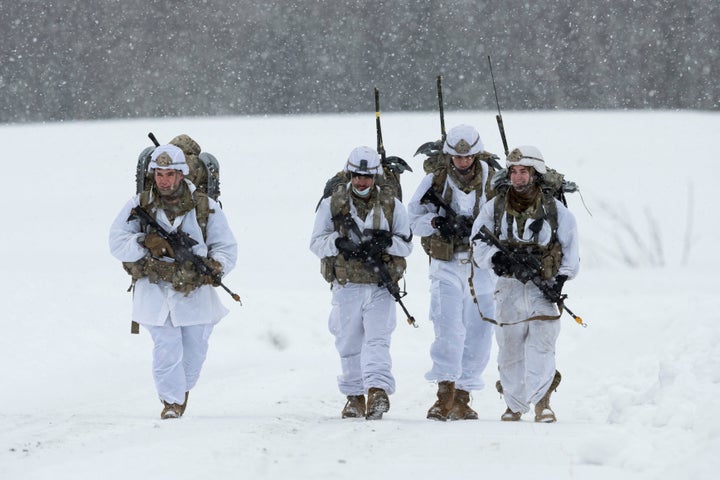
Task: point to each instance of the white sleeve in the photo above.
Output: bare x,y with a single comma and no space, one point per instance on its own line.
402,236
421,214
221,243
567,235
322,240
125,235
482,252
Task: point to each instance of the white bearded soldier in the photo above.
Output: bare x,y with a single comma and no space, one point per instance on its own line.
529,222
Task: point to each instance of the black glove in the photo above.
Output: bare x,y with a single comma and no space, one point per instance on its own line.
463,226
500,263
348,222
555,288
348,248
380,240
446,228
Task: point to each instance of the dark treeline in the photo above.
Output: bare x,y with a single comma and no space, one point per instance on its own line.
70,59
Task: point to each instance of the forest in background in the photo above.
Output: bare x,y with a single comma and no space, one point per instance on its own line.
73,60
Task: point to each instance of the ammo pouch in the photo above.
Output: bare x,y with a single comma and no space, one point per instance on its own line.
550,260
440,248
184,278
355,271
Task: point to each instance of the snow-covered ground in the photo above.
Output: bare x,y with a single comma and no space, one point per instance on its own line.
640,386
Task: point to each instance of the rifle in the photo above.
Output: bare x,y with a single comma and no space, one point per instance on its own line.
375,264
532,266
498,117
431,196
182,244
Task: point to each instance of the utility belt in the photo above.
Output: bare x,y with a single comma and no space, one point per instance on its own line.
184,278
441,248
355,271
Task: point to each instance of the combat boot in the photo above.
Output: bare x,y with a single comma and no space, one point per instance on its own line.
444,403
543,412
377,403
510,416
182,407
170,410
461,407
355,407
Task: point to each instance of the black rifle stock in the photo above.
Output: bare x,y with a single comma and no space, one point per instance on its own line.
182,244
376,264
532,266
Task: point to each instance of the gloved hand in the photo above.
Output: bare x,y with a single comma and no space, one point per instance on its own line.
348,248
446,228
347,222
556,286
158,246
380,241
463,226
500,263
216,271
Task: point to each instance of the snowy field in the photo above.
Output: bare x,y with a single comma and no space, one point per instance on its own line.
640,389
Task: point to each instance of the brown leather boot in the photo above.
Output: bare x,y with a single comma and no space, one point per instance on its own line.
377,404
182,407
461,407
444,403
543,412
170,410
510,416
355,407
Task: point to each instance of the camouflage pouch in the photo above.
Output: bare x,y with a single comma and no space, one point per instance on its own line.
187,278
327,268
437,247
135,269
550,261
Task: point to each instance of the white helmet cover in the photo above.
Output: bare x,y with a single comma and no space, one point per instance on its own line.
463,140
363,160
527,156
168,157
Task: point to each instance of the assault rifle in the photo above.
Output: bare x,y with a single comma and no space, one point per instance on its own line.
431,196
182,244
377,265
530,266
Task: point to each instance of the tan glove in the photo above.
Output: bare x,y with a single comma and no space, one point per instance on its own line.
158,246
216,269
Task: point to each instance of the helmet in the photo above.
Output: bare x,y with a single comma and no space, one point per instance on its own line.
168,157
463,140
363,160
527,156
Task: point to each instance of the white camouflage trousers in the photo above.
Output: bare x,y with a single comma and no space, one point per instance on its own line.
461,349
178,357
526,361
362,320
